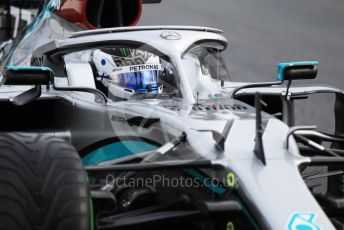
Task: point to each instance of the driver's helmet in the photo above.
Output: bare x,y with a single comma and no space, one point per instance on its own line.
125,72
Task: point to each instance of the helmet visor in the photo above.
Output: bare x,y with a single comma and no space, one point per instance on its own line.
142,78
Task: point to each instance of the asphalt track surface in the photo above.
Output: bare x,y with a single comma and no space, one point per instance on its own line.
265,32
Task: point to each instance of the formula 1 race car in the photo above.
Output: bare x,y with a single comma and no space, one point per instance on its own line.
142,128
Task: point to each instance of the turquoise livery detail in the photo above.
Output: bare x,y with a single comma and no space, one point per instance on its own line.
115,151
303,221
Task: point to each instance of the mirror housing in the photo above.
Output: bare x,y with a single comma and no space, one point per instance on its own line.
297,71
37,76
27,75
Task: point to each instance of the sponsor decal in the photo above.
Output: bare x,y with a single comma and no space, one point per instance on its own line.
137,68
170,35
117,70
303,221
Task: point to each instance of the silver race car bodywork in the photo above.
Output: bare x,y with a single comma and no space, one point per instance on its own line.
221,131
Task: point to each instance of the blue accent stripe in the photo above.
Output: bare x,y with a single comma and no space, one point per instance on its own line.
115,151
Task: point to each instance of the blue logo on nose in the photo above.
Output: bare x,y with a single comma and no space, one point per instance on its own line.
103,62
303,221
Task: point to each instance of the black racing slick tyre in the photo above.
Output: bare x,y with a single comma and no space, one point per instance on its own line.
42,184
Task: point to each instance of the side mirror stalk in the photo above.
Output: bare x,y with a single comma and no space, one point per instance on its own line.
288,71
27,96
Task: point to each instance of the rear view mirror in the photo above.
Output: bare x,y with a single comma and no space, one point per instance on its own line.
288,71
27,75
297,71
37,76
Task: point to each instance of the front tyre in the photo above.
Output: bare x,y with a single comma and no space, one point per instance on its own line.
42,184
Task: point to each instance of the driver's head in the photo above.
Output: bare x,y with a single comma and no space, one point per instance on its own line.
127,71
